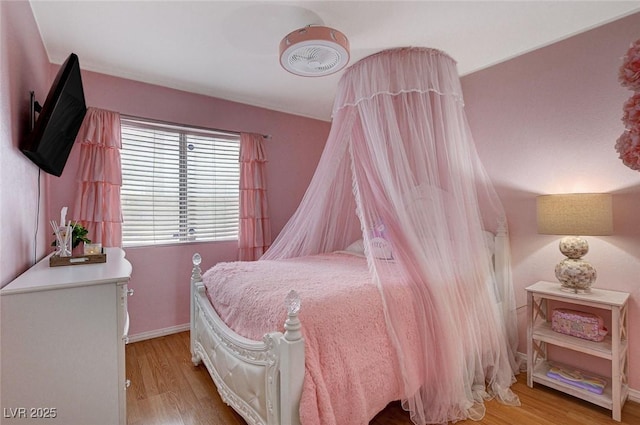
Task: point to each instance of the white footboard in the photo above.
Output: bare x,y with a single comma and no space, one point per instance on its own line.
261,380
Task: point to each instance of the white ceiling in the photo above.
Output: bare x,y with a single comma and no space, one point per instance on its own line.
229,49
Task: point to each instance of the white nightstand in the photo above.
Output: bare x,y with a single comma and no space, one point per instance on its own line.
614,348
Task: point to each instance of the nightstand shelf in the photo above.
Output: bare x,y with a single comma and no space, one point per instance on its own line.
614,348
543,332
603,400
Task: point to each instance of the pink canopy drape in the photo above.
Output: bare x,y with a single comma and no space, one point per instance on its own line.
401,172
254,234
97,205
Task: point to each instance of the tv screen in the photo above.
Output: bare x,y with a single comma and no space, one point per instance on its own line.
50,142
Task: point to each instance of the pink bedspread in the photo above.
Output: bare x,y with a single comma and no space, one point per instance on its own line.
351,367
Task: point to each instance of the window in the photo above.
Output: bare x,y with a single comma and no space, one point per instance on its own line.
179,184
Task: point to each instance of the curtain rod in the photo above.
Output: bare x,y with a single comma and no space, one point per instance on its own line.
133,117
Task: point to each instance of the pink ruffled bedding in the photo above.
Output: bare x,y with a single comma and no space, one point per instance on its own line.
351,368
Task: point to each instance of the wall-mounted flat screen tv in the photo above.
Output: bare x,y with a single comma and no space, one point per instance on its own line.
50,142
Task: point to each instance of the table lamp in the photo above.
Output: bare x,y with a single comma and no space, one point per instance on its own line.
575,215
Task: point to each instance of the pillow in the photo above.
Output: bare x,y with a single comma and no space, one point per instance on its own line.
356,247
381,249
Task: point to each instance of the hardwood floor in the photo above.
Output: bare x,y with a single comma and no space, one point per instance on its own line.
166,389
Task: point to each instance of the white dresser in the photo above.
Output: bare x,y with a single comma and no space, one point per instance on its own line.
62,346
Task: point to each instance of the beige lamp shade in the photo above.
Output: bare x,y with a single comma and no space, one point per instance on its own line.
572,215
579,214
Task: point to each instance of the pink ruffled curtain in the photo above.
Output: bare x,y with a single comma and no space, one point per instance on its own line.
97,205
400,170
254,235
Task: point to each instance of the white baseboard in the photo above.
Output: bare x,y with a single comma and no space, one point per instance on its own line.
634,395
158,333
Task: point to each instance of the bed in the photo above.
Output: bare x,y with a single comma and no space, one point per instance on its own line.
271,366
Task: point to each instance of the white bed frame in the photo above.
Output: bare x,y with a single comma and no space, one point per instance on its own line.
263,380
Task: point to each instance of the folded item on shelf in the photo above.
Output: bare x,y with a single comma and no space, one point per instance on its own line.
577,378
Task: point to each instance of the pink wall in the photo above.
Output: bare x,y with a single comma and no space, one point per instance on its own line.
546,122
161,274
24,67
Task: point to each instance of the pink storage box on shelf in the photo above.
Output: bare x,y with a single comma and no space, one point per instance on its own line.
579,324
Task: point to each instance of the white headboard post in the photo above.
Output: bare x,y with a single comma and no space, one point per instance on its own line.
196,279
501,255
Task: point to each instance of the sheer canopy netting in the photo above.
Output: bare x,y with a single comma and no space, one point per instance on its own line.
400,171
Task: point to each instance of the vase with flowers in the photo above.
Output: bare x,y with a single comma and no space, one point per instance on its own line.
78,236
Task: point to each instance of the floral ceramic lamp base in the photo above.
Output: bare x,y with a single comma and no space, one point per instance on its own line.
575,274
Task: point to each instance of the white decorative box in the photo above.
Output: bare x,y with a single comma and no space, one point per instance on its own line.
579,324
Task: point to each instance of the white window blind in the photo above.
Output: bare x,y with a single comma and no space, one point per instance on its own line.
179,184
